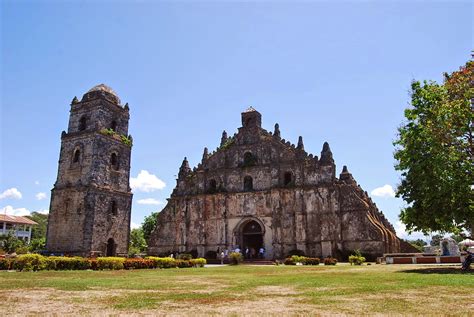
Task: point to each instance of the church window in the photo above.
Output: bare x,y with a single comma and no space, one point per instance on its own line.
248,183
249,159
82,124
113,208
114,161
113,125
212,186
76,156
288,178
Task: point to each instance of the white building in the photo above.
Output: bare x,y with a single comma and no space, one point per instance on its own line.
21,225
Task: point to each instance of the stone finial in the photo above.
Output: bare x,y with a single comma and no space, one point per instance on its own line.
224,138
300,143
326,154
276,133
205,154
346,176
74,100
126,107
184,169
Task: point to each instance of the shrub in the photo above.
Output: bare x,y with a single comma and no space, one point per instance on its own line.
289,261
185,256
5,264
110,263
330,261
68,263
138,264
236,258
199,262
163,263
356,258
183,263
30,262
22,250
298,259
311,261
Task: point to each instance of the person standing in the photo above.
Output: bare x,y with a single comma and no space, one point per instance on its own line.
222,257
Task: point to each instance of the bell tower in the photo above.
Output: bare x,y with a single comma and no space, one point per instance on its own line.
91,200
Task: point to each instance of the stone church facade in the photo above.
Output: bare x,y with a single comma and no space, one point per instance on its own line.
91,199
258,190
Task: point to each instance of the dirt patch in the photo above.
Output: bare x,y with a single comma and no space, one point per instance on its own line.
275,290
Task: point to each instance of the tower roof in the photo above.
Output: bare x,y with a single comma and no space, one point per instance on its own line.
101,89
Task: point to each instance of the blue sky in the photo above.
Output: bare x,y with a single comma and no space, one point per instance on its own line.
329,71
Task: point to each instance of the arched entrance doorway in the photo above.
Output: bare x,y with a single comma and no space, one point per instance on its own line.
110,247
252,238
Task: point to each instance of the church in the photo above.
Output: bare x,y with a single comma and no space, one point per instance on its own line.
258,190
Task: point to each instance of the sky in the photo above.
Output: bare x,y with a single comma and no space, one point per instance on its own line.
329,71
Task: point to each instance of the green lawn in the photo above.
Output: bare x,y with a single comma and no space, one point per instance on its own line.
243,290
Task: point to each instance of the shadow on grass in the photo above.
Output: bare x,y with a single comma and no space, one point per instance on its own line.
440,270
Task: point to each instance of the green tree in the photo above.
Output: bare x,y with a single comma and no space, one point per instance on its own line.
39,231
418,243
37,244
137,242
10,243
434,153
436,239
149,224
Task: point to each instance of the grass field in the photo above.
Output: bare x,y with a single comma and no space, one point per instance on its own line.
243,290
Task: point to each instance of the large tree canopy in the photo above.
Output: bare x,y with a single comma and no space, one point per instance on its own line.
149,224
434,153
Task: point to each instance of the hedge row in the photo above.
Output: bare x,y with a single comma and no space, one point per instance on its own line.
36,262
308,261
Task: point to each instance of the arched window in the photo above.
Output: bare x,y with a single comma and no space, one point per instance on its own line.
288,178
77,156
113,208
212,186
249,159
114,161
248,183
82,124
113,125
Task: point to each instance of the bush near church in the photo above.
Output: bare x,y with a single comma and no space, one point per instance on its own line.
301,259
330,261
356,258
36,262
236,258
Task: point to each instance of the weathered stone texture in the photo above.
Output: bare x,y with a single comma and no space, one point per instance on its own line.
295,199
91,199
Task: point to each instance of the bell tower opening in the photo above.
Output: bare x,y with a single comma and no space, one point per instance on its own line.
110,247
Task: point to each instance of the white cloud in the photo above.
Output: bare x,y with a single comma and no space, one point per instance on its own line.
40,196
9,210
134,225
384,191
400,229
149,201
43,211
146,182
37,182
12,193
